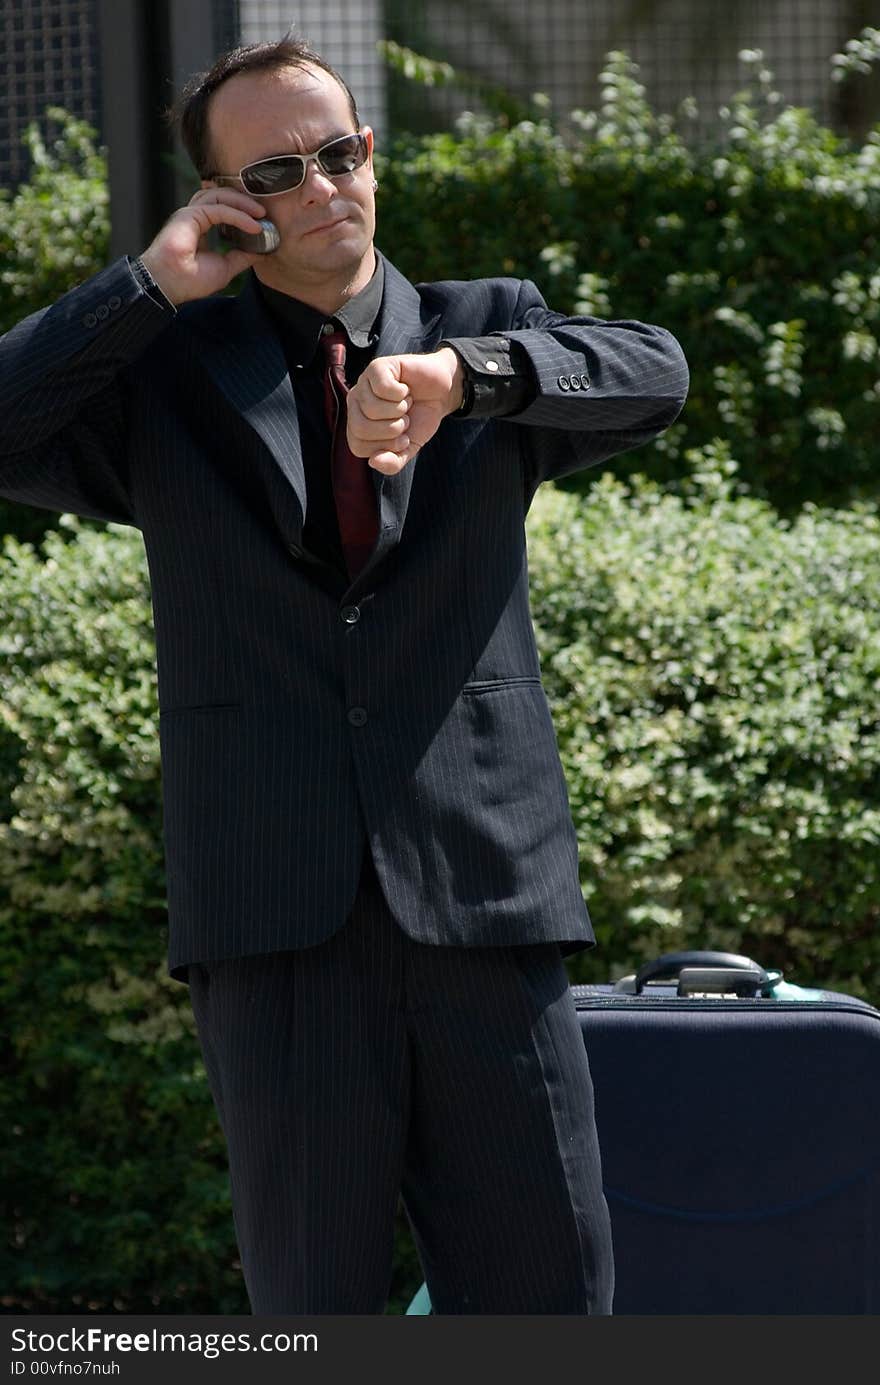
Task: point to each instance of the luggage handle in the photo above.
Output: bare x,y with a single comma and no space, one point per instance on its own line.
670,965
715,981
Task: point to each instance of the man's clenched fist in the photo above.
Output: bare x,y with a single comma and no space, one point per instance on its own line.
399,403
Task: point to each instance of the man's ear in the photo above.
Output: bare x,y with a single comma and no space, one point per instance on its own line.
366,130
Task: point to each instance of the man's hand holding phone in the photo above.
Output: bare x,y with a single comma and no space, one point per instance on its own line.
179,258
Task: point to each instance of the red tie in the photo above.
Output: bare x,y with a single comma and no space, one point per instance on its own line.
352,482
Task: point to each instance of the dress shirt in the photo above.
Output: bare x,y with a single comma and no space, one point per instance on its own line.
299,328
498,380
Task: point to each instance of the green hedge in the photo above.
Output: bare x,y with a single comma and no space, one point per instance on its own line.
55,228
714,675
54,232
761,252
714,680
113,1167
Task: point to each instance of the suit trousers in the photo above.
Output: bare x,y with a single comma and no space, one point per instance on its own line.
370,1068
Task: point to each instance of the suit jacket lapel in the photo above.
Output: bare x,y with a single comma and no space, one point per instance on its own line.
247,362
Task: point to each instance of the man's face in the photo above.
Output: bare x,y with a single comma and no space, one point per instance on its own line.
326,224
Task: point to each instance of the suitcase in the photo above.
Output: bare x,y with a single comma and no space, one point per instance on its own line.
739,1121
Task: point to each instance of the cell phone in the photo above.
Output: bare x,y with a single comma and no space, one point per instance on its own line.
262,242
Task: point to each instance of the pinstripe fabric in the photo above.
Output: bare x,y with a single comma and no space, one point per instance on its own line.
290,736
416,1034
371,1063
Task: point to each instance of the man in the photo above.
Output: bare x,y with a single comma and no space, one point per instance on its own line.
372,870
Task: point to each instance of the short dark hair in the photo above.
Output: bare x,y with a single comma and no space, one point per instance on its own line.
191,110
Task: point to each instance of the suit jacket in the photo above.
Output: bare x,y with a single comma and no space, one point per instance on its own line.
304,716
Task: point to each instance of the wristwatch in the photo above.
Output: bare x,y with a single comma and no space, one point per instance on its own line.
467,392
497,378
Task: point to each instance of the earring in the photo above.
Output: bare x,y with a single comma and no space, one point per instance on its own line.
375,185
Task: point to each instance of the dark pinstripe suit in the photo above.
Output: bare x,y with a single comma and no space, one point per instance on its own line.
303,717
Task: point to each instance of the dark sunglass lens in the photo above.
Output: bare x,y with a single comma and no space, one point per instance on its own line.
343,155
273,175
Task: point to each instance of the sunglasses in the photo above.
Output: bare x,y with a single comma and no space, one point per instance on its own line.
284,172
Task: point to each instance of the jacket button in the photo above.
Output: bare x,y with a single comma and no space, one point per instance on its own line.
574,381
564,383
357,716
102,312
90,320
585,381
351,614
114,302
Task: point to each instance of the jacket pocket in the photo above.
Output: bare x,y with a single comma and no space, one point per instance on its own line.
200,707
482,685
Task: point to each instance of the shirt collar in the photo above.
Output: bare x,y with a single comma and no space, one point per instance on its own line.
301,325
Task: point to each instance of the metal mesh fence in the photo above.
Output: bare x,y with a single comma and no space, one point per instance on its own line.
48,57
684,48
49,54
346,33
225,26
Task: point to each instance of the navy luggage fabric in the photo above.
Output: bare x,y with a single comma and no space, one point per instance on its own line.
739,1121
740,1141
